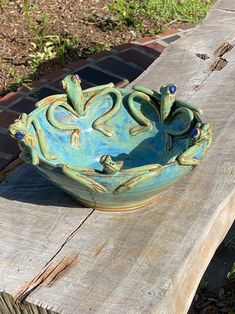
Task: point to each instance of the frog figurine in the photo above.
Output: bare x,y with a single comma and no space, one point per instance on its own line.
110,166
29,140
79,101
72,85
79,174
201,138
140,174
175,115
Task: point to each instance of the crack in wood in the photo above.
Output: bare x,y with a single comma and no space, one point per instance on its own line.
217,65
226,10
221,62
70,236
49,272
46,276
222,49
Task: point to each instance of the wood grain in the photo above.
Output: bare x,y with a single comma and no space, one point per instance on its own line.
150,260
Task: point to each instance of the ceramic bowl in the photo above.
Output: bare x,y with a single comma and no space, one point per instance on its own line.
112,148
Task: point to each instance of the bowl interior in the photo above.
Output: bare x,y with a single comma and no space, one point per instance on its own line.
142,149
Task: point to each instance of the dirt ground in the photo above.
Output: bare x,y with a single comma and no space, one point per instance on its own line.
214,301
21,24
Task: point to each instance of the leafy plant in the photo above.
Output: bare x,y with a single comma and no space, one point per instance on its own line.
52,46
27,10
135,12
19,80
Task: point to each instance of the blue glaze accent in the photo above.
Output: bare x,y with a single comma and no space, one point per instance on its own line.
19,135
195,132
172,89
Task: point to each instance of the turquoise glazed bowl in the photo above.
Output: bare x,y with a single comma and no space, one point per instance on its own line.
112,148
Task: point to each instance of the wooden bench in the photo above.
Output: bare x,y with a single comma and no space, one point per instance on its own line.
78,260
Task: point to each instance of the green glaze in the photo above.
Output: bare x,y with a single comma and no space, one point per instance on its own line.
170,107
100,123
71,84
110,166
167,101
145,124
145,174
33,136
92,91
113,148
83,179
51,115
203,137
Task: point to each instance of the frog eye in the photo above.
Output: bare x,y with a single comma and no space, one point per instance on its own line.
76,77
195,132
103,158
172,89
19,135
64,84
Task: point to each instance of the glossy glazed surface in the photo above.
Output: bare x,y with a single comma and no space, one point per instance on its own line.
112,148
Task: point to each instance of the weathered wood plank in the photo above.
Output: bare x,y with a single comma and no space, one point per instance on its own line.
150,260
36,218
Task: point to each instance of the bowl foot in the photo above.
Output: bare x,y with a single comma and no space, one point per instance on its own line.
115,209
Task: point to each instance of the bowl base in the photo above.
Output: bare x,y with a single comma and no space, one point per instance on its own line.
116,209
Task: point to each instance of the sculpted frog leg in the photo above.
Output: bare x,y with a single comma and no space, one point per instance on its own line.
145,124
186,158
74,139
129,184
99,124
33,159
42,141
148,92
200,136
197,117
182,103
82,179
92,91
57,124
142,168
50,100
168,142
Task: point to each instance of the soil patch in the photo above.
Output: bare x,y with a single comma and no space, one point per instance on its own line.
74,30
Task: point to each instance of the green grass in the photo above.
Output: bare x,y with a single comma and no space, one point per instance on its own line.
28,10
135,12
